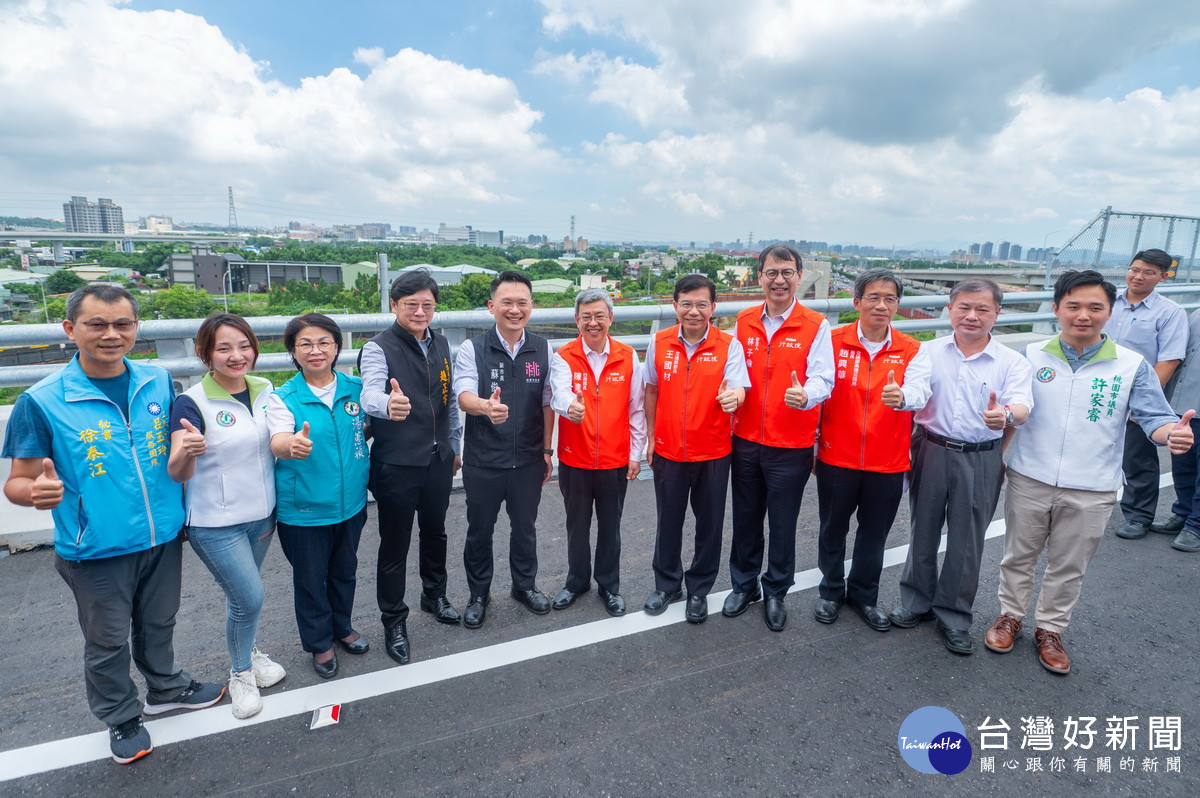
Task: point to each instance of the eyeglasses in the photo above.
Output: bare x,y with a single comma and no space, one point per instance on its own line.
309,346
1144,272
122,326
413,307
786,274
508,304
687,304
588,318
875,299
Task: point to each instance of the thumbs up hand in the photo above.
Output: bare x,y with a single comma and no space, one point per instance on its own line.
398,405
1180,438
576,410
893,396
301,445
494,409
193,439
47,489
727,397
795,397
996,415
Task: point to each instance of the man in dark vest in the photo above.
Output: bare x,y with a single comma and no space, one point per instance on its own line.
418,437
501,383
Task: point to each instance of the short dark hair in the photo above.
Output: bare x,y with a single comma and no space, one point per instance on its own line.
107,293
877,275
206,336
1155,257
413,282
297,324
509,276
1068,281
780,252
977,285
694,282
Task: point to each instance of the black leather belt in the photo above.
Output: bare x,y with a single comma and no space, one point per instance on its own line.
960,446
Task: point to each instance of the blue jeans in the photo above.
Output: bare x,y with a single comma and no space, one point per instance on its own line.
234,554
1184,471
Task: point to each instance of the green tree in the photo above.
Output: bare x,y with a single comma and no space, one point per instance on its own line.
63,282
178,302
474,291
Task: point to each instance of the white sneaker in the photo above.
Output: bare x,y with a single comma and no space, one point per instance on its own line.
244,694
267,672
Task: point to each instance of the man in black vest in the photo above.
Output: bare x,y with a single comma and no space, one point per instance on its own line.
501,383
418,436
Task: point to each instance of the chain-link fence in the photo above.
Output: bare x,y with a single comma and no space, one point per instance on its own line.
1110,240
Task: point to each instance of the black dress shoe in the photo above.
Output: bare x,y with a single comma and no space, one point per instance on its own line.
443,611
614,605
775,614
826,611
659,600
737,601
906,619
534,600
395,642
359,646
476,612
697,609
565,598
872,616
956,640
326,670
1171,526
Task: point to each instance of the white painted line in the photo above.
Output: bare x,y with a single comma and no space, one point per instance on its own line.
85,748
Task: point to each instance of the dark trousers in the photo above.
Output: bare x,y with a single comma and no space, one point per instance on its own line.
1185,470
768,483
876,498
958,490
400,492
324,570
582,489
705,483
1140,499
520,491
127,605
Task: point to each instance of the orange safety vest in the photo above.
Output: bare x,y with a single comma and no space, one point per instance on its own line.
763,417
601,440
857,429
689,424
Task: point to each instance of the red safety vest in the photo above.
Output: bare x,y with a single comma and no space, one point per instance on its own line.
601,440
689,424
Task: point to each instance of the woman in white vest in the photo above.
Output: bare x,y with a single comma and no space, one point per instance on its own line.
220,446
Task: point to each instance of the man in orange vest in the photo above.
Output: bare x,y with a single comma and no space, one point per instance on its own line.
790,364
862,455
695,377
596,385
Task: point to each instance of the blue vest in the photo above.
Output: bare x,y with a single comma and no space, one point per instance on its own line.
330,485
117,495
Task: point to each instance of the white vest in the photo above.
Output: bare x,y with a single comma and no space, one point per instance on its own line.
234,481
1075,435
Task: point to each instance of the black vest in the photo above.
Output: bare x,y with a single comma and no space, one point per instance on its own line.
520,440
427,384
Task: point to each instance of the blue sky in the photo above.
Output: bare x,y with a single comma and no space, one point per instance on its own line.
873,121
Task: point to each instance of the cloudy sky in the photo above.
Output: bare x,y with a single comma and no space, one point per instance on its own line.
871,121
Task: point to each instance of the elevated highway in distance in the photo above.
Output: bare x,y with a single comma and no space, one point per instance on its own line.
178,236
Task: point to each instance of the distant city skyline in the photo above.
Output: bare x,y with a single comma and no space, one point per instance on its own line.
882,123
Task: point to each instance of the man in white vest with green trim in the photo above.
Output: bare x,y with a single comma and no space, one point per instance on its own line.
1065,464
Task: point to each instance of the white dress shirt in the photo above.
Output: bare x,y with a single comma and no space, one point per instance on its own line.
562,395
466,373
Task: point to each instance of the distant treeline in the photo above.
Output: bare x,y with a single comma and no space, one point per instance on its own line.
31,221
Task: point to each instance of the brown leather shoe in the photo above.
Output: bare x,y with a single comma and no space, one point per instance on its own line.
1004,631
1051,652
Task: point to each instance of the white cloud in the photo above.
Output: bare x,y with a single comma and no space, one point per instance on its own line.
106,93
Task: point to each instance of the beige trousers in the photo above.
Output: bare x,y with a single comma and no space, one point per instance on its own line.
1069,525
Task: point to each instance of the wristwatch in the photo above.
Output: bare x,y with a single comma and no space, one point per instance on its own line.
1008,416
547,451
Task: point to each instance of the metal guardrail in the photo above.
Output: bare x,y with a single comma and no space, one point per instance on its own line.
173,337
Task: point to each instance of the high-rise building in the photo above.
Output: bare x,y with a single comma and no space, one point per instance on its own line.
974,249
985,251
103,216
1002,250
1014,252
453,235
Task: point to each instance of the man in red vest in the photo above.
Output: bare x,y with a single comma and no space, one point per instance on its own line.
596,384
790,364
695,378
863,452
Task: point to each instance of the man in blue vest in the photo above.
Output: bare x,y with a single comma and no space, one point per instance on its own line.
501,378
1065,465
418,436
90,444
